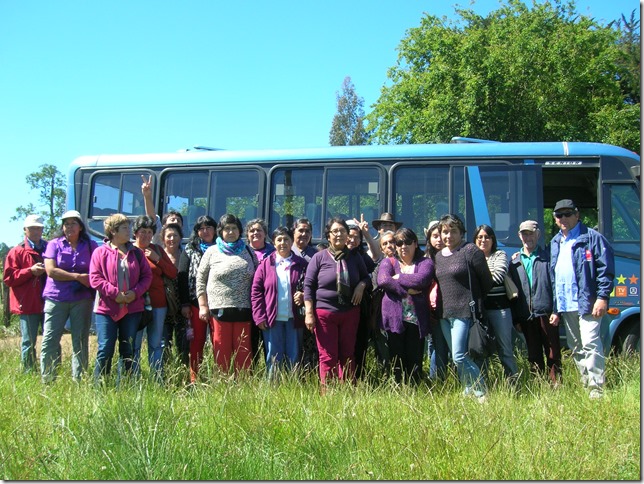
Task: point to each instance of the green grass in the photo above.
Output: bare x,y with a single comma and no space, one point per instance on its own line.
249,428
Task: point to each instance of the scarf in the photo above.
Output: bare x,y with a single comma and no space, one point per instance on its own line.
204,246
231,248
343,284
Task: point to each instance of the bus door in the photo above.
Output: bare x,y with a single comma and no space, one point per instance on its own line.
501,196
622,228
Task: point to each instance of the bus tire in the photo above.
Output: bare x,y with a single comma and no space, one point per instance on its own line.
629,340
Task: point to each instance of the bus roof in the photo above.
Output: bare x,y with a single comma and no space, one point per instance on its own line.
452,150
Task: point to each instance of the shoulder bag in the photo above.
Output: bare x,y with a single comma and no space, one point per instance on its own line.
511,290
481,341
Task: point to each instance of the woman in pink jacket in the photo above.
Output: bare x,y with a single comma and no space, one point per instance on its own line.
120,273
276,298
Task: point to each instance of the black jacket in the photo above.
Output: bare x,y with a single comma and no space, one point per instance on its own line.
533,301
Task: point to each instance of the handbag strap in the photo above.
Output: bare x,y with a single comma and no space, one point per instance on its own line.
472,303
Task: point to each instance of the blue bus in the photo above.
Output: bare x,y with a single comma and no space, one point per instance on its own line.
500,184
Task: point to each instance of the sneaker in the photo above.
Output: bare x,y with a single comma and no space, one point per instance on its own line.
595,394
481,399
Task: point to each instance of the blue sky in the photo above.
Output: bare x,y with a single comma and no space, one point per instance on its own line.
141,76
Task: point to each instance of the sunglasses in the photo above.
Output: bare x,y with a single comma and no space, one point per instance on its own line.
564,214
400,243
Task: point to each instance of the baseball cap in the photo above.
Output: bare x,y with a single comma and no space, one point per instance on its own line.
565,203
529,225
71,214
33,221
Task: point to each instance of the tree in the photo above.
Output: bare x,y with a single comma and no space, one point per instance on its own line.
520,74
50,184
628,62
347,127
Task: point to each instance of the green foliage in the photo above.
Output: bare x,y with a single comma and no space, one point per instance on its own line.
252,429
50,183
520,74
347,127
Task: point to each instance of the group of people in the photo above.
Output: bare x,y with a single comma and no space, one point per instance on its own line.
311,307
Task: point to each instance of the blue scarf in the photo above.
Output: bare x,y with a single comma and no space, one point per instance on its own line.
204,246
231,248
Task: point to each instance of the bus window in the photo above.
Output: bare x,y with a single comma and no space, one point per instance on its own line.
296,192
353,191
187,193
503,196
624,226
115,193
236,192
421,195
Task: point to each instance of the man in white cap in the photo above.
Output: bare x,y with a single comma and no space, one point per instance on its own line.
529,269
24,273
582,267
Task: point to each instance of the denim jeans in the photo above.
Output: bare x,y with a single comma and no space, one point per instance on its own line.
438,351
56,315
583,337
155,344
457,333
108,332
501,321
29,325
282,345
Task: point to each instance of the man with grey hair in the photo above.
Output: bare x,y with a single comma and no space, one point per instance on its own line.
582,267
529,269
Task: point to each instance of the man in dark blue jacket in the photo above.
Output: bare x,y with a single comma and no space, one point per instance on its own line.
582,268
530,271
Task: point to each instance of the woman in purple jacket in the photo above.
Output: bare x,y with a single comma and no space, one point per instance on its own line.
276,300
120,273
405,304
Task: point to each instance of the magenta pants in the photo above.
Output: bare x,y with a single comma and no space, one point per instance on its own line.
335,334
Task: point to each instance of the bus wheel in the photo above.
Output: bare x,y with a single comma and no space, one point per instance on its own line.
629,341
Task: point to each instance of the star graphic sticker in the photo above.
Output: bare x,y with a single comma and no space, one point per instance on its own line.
621,279
632,279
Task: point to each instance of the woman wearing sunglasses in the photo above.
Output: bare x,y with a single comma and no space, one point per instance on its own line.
405,304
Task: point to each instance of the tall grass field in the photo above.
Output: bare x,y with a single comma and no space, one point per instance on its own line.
248,428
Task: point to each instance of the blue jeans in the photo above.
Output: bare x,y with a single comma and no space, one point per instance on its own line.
155,344
437,350
29,325
79,314
282,345
108,332
501,321
457,333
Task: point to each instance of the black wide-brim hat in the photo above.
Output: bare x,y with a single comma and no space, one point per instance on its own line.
385,217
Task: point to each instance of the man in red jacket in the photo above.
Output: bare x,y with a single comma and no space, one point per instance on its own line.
24,273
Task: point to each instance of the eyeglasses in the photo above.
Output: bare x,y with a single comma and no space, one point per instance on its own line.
70,224
483,237
400,243
339,231
564,214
